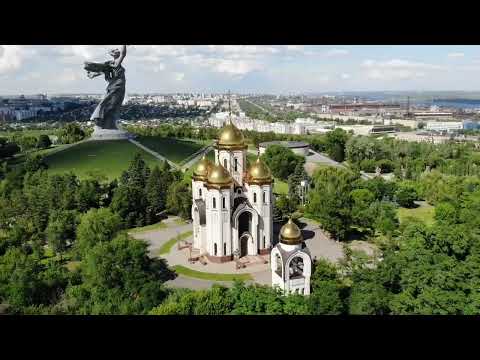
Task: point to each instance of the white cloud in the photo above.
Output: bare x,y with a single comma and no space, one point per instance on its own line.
345,76
234,67
337,52
159,67
11,58
456,55
244,49
69,75
295,48
179,76
397,69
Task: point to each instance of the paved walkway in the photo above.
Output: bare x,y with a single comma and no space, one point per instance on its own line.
319,244
197,157
156,238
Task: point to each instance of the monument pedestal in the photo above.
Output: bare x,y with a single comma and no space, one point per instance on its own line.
109,134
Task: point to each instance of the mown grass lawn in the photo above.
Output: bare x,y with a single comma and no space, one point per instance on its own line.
182,270
280,187
424,212
100,158
165,248
175,150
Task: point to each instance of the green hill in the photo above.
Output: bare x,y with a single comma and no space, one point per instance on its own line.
107,158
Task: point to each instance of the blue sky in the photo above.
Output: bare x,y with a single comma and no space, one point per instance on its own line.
247,68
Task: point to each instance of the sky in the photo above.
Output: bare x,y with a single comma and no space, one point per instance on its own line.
276,69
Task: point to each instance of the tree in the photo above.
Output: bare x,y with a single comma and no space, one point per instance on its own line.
137,173
330,201
118,278
70,133
130,198
284,207
281,161
24,281
96,226
294,183
335,144
179,200
88,195
406,196
385,165
44,142
361,214
34,163
61,229
385,217
26,142
156,194
130,203
8,149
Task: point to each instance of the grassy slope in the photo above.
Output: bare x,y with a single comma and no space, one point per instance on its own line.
108,158
175,150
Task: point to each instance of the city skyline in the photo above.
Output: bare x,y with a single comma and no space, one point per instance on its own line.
272,69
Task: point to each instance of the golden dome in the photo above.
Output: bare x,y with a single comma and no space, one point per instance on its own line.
290,234
259,173
230,137
200,172
218,176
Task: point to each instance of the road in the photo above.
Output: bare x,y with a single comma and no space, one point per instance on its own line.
261,108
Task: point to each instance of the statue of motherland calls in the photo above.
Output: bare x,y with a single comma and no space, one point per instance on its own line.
107,111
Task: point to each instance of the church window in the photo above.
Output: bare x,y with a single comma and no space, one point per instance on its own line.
215,249
236,164
224,249
214,203
200,192
255,198
223,203
264,196
225,163
263,245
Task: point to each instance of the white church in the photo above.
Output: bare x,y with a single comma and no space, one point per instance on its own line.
232,214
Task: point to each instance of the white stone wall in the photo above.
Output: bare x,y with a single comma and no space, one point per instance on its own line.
300,285
228,158
218,225
196,187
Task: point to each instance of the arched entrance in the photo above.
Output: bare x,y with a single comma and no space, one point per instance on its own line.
244,245
244,232
245,223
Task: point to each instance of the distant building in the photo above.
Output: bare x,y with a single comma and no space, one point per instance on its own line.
471,125
444,125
